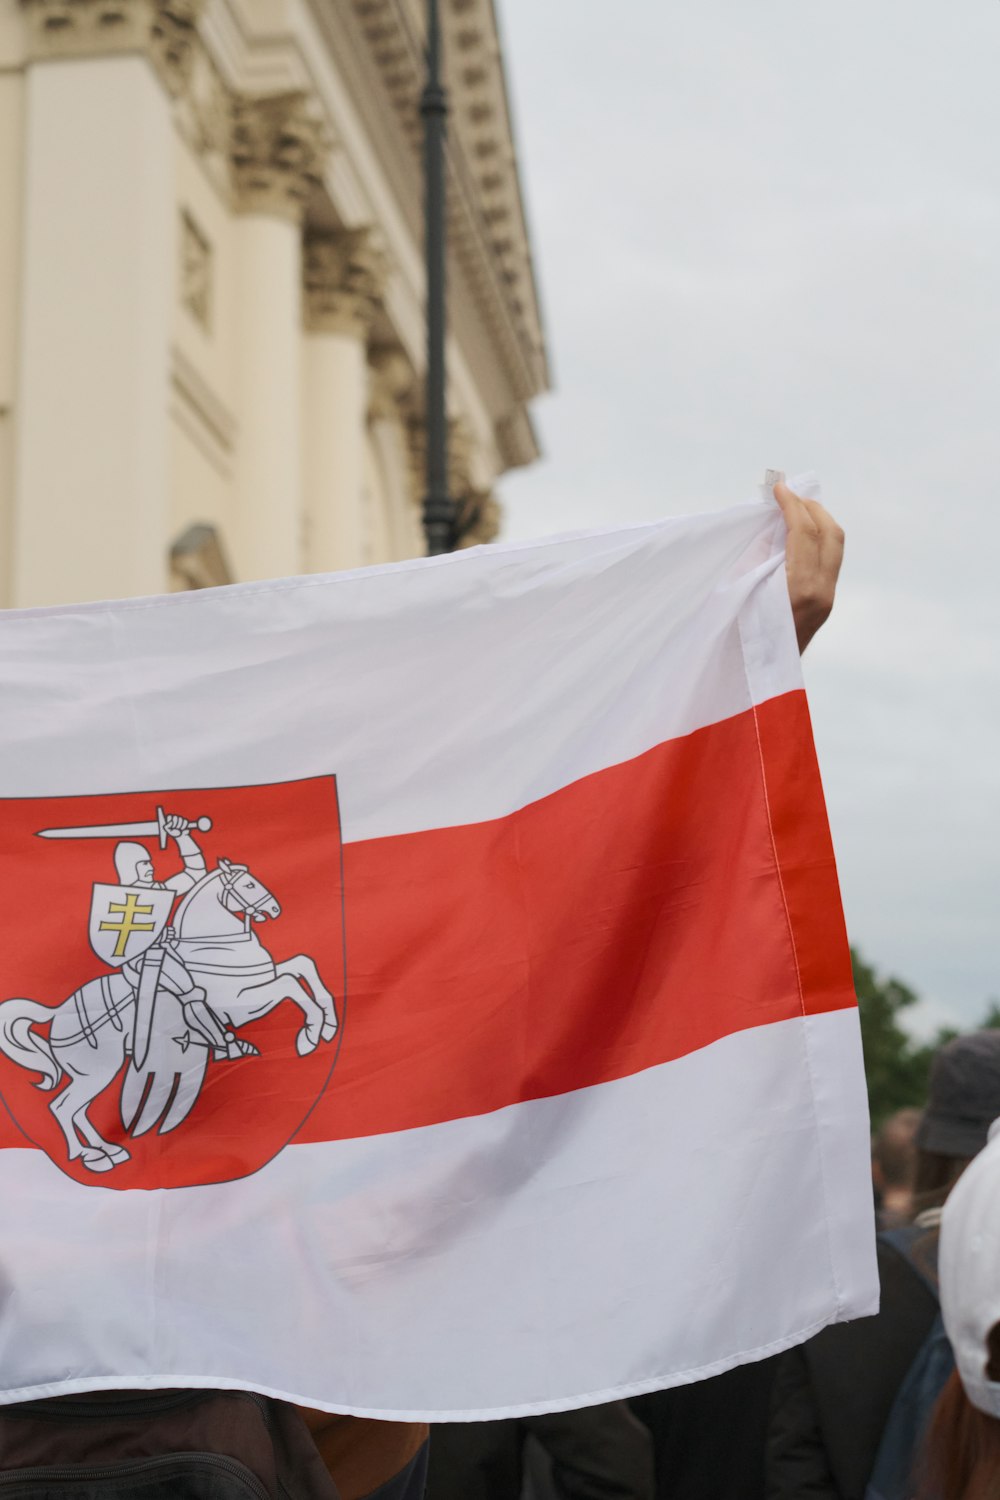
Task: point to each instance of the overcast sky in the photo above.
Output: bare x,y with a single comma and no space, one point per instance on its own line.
767,234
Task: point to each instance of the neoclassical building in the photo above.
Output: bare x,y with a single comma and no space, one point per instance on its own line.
212,289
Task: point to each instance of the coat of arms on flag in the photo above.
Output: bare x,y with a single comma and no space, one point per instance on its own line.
138,1041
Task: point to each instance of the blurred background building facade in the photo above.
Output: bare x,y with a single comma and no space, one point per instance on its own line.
212,290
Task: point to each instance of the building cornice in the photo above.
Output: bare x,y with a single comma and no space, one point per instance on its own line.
486,213
486,140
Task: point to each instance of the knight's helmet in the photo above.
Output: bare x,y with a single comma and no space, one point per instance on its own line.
128,858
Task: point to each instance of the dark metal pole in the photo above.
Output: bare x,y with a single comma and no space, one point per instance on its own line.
439,508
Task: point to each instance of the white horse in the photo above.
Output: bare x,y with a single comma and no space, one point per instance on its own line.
90,1034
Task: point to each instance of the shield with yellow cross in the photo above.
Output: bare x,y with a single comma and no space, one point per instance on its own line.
125,920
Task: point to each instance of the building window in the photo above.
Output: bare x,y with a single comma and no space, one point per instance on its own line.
196,272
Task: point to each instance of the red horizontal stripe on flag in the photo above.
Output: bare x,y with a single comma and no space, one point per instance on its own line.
632,917
627,919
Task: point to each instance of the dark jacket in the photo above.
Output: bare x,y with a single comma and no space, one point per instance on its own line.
597,1453
832,1396
708,1438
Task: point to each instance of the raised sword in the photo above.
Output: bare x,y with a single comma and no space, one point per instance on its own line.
124,830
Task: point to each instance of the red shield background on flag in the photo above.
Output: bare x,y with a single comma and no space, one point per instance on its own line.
287,834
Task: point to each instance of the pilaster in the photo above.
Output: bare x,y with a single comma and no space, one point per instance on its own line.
278,155
97,287
393,389
343,279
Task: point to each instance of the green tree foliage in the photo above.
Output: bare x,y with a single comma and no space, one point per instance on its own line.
897,1066
992,1017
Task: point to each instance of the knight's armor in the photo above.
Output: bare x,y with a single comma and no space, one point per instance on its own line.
202,1019
159,967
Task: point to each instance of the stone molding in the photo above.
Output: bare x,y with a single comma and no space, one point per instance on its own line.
166,31
198,560
460,459
197,272
344,276
480,517
478,512
516,442
279,151
213,414
393,384
204,116
416,456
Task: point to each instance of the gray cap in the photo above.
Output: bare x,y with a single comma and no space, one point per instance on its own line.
964,1095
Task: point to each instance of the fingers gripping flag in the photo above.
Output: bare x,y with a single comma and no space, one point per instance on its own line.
424,991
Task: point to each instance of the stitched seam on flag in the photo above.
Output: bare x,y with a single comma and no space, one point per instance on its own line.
838,1294
767,810
777,861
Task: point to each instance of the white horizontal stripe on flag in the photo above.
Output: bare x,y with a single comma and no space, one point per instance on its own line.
483,1267
508,683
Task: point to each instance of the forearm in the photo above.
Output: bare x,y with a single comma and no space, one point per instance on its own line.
194,860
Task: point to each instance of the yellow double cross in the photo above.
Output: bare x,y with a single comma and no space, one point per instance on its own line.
128,922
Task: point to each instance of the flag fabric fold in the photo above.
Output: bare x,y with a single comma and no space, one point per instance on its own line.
425,992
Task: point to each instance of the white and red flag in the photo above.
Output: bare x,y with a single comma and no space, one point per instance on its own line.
424,991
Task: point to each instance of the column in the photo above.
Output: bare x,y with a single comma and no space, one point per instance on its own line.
98,276
278,154
389,413
344,275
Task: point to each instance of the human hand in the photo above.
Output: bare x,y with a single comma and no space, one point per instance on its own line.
814,552
175,825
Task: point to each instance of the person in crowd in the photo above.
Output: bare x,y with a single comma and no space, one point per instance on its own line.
961,1457
833,1396
595,1453
894,1160
708,1438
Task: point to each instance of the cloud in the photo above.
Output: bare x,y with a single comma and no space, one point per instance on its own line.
769,236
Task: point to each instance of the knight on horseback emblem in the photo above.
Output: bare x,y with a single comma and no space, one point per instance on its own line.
186,969
129,929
